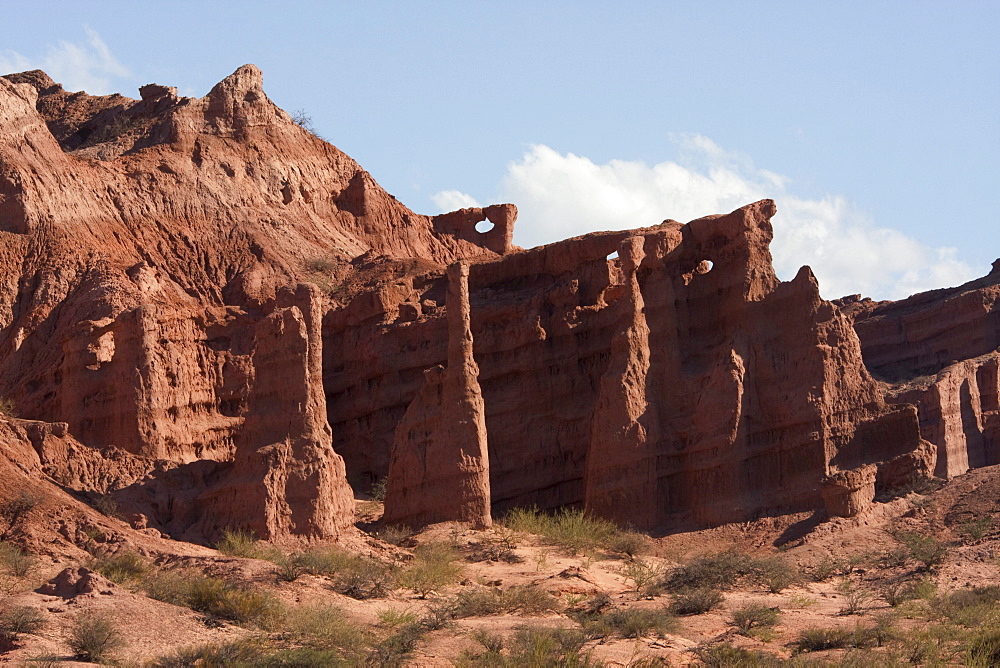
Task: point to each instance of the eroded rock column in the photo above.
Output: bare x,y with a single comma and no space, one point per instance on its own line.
439,470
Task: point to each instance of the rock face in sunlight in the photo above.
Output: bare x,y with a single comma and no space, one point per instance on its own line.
221,321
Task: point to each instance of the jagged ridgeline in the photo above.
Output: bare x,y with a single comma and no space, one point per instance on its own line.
215,318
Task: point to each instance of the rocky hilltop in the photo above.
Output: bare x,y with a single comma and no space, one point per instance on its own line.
217,319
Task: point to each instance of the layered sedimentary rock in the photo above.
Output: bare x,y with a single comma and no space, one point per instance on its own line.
144,249
153,261
682,384
439,468
938,352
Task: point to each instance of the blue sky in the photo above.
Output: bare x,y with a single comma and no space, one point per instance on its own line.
873,124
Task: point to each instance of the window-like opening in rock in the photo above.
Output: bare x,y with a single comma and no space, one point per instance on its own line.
613,256
704,266
484,226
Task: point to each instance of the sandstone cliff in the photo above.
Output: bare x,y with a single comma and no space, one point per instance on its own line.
219,319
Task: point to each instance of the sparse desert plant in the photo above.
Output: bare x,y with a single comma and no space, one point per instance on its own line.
928,550
696,601
896,593
7,407
774,573
325,626
754,616
433,567
214,597
236,653
971,607
499,547
106,505
394,650
18,620
629,543
530,646
856,598
974,531
121,567
302,119
94,638
569,528
725,655
323,560
717,571
15,560
395,534
829,567
14,509
642,573
523,599
983,650
633,623
364,578
239,543
819,639
377,492
392,618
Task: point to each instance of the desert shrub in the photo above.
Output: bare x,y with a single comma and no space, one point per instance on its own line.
774,573
394,617
856,598
363,579
629,543
239,543
642,573
121,567
696,601
975,530
94,638
377,491
323,561
499,547
725,655
16,508
433,567
288,567
523,599
7,407
969,607
530,646
325,627
395,534
236,653
717,571
106,505
18,620
896,593
395,649
753,616
928,550
829,567
983,650
819,639
302,119
214,597
15,560
632,623
569,528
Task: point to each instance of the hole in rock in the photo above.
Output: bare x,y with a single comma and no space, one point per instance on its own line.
613,256
704,267
484,226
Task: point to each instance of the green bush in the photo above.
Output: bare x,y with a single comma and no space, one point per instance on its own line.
239,543
94,638
15,560
696,601
523,599
7,407
121,567
214,597
395,534
819,639
433,567
928,550
236,653
531,647
753,616
643,574
631,623
974,531
969,607
18,620
983,651
725,655
569,528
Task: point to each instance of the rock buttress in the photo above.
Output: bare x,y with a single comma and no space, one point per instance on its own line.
439,469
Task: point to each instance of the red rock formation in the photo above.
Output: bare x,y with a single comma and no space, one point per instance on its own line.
937,351
439,469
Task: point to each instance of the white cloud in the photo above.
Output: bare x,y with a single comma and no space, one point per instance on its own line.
89,66
452,200
564,195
